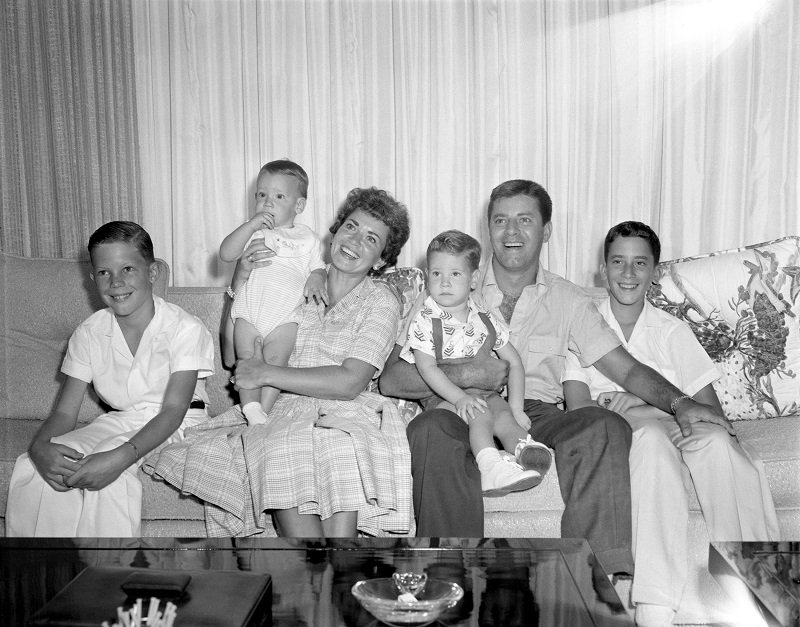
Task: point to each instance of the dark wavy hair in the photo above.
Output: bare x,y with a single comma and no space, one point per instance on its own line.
456,243
122,231
522,187
380,205
632,228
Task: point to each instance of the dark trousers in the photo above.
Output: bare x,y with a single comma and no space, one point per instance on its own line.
591,453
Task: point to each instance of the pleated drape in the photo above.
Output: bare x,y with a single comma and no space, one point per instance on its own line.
68,126
681,114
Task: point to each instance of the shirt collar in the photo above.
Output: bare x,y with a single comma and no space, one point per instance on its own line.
487,277
438,312
647,318
112,320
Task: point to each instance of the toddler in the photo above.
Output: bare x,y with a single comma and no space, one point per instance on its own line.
148,360
266,306
450,326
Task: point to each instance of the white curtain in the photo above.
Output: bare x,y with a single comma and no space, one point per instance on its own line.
682,114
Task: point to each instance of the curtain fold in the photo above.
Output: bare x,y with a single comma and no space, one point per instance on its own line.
681,114
68,126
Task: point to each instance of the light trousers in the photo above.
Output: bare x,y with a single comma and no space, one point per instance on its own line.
731,487
36,510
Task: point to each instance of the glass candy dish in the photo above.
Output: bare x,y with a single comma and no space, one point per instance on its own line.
419,602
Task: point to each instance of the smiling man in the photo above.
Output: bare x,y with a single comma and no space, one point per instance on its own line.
549,317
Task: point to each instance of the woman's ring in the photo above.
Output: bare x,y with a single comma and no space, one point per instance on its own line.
250,258
233,379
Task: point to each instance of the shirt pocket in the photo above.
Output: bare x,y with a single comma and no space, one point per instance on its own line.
545,345
546,357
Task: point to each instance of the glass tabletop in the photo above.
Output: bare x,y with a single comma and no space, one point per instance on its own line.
771,572
505,581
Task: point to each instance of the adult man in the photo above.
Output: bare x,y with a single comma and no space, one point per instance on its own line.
548,316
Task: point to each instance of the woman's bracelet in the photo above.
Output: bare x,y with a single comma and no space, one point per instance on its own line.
135,450
229,291
673,406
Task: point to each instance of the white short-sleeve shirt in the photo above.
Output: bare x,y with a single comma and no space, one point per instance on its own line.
658,340
173,341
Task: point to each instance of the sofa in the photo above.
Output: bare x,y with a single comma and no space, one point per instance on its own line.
744,306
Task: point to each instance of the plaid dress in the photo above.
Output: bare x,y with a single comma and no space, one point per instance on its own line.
321,456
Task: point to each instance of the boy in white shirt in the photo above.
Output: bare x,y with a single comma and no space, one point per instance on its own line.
450,326
728,476
147,359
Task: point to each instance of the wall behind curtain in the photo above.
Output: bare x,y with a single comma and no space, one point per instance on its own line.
68,125
680,114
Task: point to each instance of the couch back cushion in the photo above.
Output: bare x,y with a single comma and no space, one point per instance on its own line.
44,300
744,307
208,303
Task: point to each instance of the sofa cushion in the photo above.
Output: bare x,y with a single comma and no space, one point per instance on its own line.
44,300
208,303
744,307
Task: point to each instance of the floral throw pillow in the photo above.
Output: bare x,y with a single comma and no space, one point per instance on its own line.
407,282
744,307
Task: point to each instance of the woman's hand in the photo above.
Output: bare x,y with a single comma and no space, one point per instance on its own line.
468,405
256,255
55,462
98,470
316,288
251,371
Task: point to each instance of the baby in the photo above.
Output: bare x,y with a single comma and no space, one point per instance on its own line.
266,306
450,326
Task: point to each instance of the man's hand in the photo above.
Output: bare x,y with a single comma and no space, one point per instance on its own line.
55,463
468,405
477,373
619,402
98,470
689,411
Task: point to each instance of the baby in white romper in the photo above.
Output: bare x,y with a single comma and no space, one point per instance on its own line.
266,305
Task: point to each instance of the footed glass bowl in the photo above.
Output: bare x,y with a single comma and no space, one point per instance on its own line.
380,598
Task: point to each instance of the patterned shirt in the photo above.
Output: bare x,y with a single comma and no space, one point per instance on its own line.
460,339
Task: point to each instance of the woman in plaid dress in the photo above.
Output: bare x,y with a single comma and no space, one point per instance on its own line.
333,458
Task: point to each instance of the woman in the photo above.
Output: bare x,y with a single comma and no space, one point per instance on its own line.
332,459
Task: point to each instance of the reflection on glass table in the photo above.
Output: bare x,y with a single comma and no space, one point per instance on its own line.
762,577
510,582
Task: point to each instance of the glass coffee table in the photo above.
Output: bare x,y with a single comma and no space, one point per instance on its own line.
506,582
764,577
